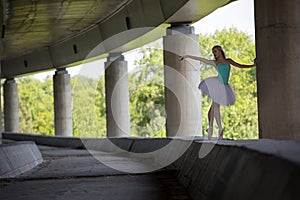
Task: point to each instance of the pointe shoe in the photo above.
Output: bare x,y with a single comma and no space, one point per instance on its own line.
221,133
209,132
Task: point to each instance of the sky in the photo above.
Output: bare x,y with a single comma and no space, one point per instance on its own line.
239,14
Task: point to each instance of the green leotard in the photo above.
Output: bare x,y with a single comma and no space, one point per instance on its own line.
223,72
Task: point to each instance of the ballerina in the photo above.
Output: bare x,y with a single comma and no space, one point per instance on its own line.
217,88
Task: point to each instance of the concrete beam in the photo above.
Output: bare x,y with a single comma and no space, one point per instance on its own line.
95,41
193,10
120,32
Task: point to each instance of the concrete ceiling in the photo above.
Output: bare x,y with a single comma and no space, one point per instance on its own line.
45,34
36,23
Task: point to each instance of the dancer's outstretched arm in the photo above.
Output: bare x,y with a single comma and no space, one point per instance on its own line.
232,62
204,60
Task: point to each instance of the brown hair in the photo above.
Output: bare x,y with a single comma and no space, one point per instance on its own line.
220,49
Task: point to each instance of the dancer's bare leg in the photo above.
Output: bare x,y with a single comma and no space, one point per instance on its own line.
210,121
217,114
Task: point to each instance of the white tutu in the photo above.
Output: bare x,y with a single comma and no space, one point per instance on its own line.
218,92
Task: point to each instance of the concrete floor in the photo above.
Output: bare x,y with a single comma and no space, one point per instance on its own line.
231,170
76,174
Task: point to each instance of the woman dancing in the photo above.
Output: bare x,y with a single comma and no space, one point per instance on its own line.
217,88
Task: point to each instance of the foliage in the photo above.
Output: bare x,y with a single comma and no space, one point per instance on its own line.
88,107
147,94
36,106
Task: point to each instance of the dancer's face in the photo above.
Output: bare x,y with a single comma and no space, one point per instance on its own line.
217,53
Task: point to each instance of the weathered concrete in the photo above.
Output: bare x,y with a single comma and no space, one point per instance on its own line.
11,106
62,103
117,96
250,169
231,172
76,174
182,97
107,145
121,187
277,34
0,94
18,157
65,33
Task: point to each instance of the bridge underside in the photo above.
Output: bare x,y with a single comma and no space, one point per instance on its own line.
41,35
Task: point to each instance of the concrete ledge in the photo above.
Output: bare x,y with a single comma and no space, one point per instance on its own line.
231,171
17,158
107,144
145,145
45,140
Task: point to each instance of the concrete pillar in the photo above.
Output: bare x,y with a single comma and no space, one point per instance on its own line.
11,106
278,69
182,97
0,108
62,103
117,96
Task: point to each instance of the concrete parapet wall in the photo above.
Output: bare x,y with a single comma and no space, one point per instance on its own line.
17,158
58,141
107,144
137,145
238,172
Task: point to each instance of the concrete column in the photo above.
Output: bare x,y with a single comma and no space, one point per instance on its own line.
117,96
11,106
0,108
62,103
278,69
182,97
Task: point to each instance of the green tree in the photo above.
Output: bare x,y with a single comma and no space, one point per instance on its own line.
88,107
147,104
36,106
